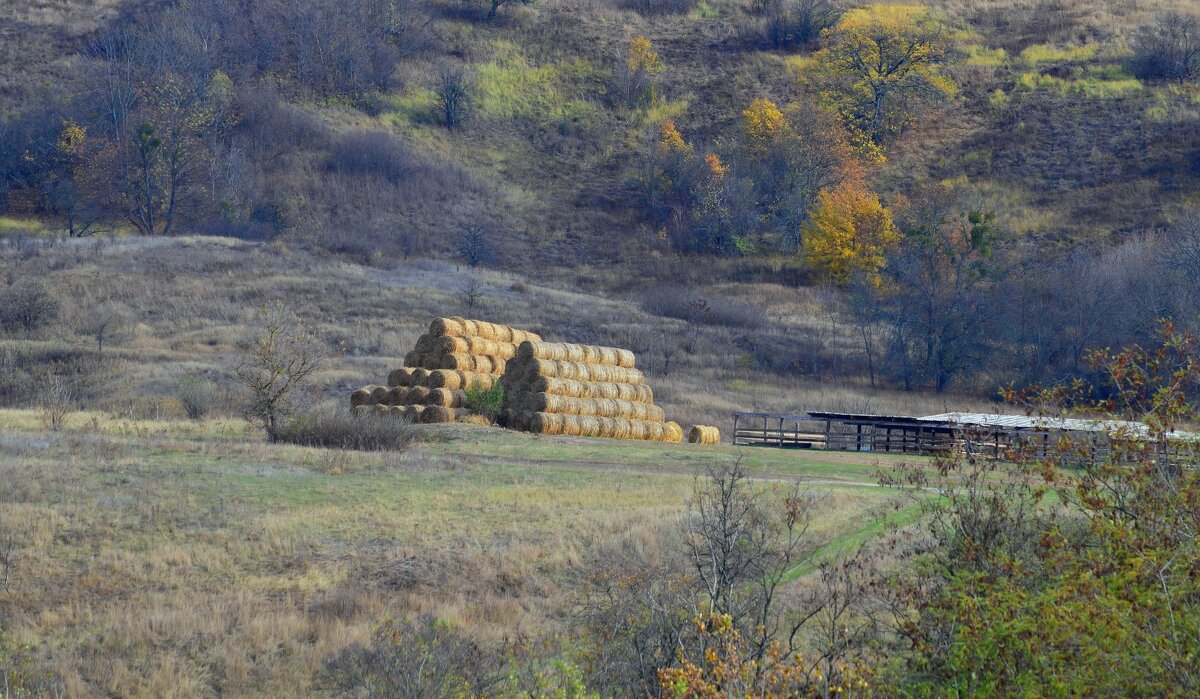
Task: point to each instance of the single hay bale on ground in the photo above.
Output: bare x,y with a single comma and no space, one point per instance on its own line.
587,354
704,434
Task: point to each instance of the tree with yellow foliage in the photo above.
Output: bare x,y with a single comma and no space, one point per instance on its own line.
641,68
763,122
879,61
850,234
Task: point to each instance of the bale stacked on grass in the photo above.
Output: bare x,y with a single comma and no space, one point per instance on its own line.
581,390
704,434
454,355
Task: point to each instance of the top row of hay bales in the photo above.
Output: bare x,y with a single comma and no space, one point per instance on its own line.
473,346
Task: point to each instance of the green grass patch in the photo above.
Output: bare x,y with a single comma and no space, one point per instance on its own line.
510,88
664,110
846,544
983,56
703,10
1045,53
10,225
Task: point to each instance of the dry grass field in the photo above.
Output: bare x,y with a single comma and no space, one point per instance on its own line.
164,558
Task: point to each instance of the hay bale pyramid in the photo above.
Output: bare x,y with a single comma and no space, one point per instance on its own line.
581,390
549,387
455,354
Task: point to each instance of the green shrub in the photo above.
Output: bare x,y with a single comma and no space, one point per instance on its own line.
485,401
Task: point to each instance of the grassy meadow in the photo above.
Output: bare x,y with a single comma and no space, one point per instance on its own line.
190,558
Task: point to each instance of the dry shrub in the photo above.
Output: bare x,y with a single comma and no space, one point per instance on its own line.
27,304
704,434
340,429
197,395
703,308
372,153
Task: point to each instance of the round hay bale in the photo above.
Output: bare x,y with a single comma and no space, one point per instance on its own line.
396,395
379,394
400,377
674,433
475,419
436,413
380,408
704,434
361,397
635,393
446,398
579,371
601,407
569,352
417,395
395,410
413,412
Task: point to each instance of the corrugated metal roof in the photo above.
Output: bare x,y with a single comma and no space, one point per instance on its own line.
1033,422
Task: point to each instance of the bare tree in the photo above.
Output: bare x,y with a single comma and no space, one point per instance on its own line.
1169,49
470,293
454,96
742,546
276,365
9,555
475,245
56,400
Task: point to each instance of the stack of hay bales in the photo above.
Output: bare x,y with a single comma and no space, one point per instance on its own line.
453,356
582,390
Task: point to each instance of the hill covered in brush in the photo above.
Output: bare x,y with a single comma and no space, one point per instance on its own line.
942,151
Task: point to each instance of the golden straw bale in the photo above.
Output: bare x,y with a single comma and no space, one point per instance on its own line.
417,395
636,393
413,359
458,380
396,395
579,371
436,413
455,326
602,407
361,397
395,410
380,408
475,419
473,362
587,354
591,426
379,394
704,434
445,398
401,377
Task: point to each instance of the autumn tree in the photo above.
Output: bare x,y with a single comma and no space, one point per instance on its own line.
790,156
850,233
639,71
879,64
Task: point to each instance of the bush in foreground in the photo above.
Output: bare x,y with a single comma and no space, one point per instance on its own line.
338,429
